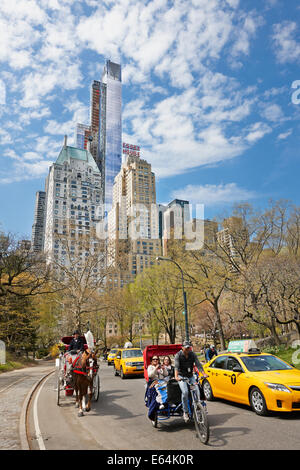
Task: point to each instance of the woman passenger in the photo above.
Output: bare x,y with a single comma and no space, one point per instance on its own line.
158,374
167,363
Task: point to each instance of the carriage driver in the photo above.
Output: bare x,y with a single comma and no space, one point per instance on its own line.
185,360
76,343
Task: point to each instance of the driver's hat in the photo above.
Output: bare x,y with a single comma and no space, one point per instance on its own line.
187,344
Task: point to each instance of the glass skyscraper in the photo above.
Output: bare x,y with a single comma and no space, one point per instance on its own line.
105,128
113,128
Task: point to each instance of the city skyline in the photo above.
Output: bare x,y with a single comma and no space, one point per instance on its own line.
210,94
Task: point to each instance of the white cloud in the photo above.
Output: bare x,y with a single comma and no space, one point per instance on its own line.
206,120
212,194
80,115
285,135
26,166
287,48
38,85
31,156
257,131
5,137
194,128
273,112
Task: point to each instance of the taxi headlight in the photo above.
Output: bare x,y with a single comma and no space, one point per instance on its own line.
130,364
277,387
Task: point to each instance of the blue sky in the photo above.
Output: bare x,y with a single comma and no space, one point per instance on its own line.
207,94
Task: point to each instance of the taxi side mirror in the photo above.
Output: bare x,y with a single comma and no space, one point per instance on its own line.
118,357
237,369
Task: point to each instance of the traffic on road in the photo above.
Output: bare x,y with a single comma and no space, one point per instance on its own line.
119,419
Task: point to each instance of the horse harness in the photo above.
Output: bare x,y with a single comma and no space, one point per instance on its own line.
77,369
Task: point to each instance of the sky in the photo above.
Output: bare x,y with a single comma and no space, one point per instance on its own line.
211,94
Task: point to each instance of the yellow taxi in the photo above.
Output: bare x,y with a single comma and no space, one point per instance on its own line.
260,380
111,356
129,361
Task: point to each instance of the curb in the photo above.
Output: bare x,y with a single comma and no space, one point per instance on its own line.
23,415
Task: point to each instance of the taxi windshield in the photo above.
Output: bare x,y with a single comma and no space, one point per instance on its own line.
113,351
132,353
264,363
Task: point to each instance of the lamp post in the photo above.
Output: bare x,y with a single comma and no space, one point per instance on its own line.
187,333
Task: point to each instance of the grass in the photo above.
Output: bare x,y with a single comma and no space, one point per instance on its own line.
289,355
13,363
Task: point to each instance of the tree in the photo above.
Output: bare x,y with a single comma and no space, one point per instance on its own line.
80,277
206,273
160,293
267,281
18,322
22,273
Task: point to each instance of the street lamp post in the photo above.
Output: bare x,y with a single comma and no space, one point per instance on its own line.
187,333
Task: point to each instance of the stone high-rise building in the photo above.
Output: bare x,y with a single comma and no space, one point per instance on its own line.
133,225
74,203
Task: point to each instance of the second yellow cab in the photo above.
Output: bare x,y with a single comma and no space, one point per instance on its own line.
263,381
129,361
111,356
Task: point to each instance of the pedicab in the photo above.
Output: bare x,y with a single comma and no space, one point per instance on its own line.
172,407
64,375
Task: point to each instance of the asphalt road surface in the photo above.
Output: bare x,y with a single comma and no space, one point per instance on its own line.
119,421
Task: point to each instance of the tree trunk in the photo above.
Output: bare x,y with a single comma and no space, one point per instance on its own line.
219,325
274,332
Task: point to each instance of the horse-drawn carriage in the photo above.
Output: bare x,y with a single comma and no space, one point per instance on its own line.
75,370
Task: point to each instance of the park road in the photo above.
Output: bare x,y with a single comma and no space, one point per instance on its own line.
118,421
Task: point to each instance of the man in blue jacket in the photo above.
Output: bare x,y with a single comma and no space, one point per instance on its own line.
210,352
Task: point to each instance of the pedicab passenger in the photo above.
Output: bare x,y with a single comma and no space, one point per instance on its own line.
157,374
168,366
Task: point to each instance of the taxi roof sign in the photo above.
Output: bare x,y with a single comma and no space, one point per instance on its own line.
242,345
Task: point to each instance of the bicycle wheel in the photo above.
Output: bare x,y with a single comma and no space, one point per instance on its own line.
201,423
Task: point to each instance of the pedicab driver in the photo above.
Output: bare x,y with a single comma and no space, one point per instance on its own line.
185,360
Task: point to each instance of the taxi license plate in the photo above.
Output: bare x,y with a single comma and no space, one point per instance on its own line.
139,367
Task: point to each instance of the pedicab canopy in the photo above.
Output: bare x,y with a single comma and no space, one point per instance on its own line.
241,345
159,350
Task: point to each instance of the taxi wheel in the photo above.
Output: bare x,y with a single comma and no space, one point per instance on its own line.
207,390
116,372
258,402
123,376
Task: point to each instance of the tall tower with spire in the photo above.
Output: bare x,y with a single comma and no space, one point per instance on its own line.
105,127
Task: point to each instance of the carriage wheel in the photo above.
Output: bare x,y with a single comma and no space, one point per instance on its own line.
96,388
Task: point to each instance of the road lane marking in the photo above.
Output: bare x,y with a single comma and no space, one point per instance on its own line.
36,420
